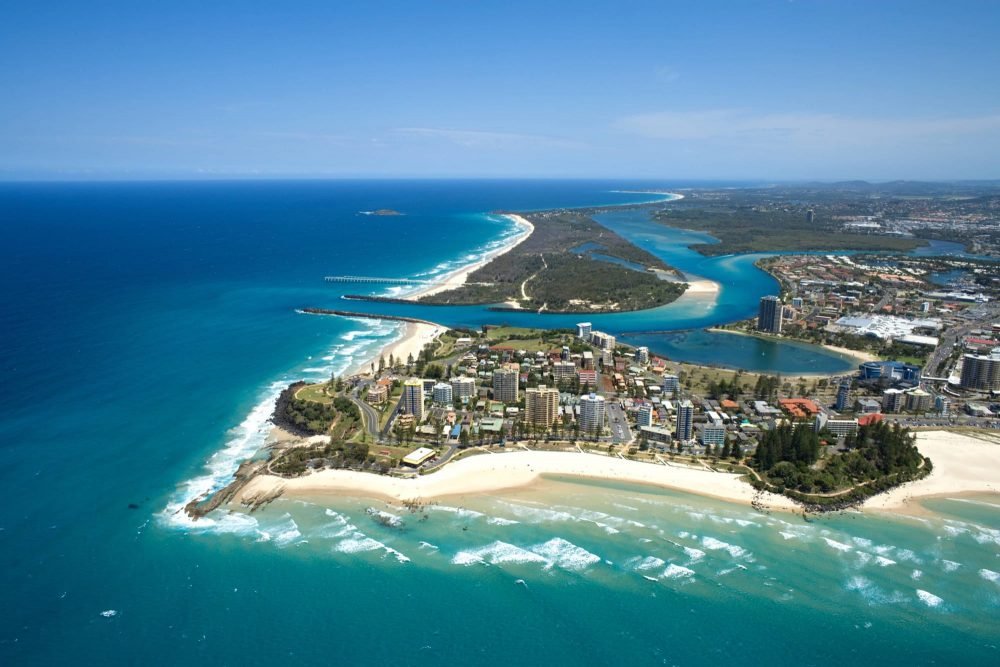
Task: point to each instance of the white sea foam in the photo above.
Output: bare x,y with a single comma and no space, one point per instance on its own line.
789,535
950,565
537,514
602,520
358,544
460,511
970,501
929,599
354,541
872,593
882,561
428,546
858,583
282,532
716,544
990,575
509,235
500,521
361,543
916,575
839,546
640,563
464,513
244,440
987,536
497,553
385,518
564,554
694,554
675,571
862,542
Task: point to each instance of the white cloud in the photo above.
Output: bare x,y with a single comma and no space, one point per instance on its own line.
802,129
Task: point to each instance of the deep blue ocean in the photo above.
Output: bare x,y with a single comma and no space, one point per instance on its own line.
146,328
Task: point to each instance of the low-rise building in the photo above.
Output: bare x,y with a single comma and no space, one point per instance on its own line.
418,456
867,406
839,427
377,394
656,434
713,434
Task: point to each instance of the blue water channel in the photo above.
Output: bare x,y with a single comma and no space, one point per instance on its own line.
675,330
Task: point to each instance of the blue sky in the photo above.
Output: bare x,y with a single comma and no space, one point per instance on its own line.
693,90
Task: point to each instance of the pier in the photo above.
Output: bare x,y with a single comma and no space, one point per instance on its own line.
375,279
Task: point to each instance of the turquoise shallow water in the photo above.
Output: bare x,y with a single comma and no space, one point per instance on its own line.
145,329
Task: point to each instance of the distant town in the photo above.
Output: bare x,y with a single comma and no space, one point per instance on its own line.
924,329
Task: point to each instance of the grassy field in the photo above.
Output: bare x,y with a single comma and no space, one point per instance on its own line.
531,340
315,393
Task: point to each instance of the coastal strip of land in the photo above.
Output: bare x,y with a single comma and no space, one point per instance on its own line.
569,263
418,333
962,464
415,336
489,473
460,276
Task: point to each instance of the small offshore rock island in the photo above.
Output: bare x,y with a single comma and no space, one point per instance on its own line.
581,403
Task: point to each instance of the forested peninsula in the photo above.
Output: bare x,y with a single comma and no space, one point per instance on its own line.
569,264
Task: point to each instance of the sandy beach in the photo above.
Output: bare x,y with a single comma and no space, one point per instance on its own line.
458,277
860,355
962,464
488,473
417,335
702,287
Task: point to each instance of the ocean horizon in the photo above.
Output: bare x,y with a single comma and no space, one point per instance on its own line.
148,329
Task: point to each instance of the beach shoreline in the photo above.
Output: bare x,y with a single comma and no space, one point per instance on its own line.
843,351
459,276
702,287
962,465
860,355
508,471
416,335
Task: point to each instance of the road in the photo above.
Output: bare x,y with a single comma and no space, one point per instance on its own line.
368,414
953,336
620,432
